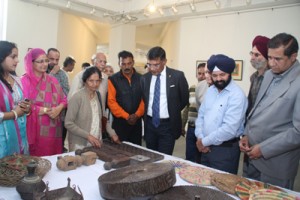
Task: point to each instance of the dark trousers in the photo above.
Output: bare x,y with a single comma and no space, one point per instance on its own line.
127,132
160,139
191,151
224,157
253,173
64,134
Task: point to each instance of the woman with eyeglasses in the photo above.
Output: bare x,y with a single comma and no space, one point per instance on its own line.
83,119
13,106
44,129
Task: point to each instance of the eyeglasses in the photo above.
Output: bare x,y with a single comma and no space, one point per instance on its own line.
254,54
100,61
157,65
41,61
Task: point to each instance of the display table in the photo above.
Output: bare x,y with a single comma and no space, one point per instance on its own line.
85,177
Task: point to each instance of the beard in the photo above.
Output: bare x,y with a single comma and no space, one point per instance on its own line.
259,64
222,84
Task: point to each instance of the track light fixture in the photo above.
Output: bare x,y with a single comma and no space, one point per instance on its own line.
218,3
174,9
161,11
68,4
192,6
93,11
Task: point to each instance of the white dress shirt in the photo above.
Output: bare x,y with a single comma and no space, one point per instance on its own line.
163,105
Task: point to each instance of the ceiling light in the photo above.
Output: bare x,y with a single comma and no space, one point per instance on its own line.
217,3
152,7
93,11
192,6
174,9
161,11
68,4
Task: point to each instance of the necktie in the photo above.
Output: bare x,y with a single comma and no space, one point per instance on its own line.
155,105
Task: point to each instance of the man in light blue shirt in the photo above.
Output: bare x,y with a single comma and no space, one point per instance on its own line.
221,117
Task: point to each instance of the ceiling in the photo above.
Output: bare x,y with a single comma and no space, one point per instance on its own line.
134,11
152,26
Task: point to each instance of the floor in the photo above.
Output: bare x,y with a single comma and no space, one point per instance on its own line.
179,151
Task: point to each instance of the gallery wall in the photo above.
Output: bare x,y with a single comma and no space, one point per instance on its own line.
185,41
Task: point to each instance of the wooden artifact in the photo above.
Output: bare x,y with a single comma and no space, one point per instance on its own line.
121,155
67,163
137,181
89,158
191,193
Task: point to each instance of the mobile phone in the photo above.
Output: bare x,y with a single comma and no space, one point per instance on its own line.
26,99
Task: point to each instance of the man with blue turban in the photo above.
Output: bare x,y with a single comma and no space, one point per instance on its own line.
221,117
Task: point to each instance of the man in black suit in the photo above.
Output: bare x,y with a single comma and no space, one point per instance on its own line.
165,93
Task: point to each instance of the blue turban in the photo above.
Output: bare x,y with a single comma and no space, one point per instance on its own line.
222,62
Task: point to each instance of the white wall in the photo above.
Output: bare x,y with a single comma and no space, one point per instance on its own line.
171,44
185,41
31,26
231,35
75,39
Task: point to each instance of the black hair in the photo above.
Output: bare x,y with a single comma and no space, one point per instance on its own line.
52,49
125,54
90,71
68,61
201,65
155,53
5,50
85,65
288,41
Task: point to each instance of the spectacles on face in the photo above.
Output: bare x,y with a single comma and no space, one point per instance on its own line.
42,61
100,61
157,65
254,54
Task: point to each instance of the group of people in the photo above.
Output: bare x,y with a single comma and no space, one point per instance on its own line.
222,121
265,126
43,102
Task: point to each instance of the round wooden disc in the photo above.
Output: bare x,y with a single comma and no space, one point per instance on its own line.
137,181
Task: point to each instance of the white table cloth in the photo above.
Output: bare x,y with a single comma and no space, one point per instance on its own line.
86,177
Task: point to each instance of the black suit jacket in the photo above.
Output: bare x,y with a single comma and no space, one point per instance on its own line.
177,94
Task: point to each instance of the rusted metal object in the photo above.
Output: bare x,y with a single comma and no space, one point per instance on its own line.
137,181
67,193
31,183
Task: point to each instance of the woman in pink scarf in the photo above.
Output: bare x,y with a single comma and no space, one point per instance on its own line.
44,129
